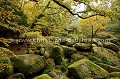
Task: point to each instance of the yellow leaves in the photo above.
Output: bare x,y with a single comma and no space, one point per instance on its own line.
98,22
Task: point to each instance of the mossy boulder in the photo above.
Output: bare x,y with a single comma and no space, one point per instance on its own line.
56,52
104,55
75,57
17,76
6,67
115,74
83,47
97,42
67,42
111,46
88,78
28,63
50,61
43,76
87,69
114,78
61,77
54,73
49,70
109,68
68,51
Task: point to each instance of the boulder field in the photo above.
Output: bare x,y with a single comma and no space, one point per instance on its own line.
55,61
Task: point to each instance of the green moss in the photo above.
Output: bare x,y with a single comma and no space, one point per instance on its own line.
68,51
4,42
31,35
106,56
48,69
86,69
88,78
114,78
115,74
69,44
6,67
17,76
43,76
64,65
28,63
6,52
109,68
82,47
76,57
56,52
111,46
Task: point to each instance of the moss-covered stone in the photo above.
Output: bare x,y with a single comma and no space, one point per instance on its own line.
50,61
56,52
50,66
109,68
82,47
88,78
86,69
49,70
111,46
43,76
17,76
6,67
67,42
106,56
97,42
61,77
46,55
56,74
28,63
76,57
115,74
114,78
68,51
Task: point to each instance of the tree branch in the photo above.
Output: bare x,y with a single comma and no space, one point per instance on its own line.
77,14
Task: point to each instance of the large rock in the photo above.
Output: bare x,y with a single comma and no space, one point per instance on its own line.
6,67
76,57
43,76
104,55
61,77
114,78
87,69
56,52
97,42
109,68
17,76
111,46
67,42
115,74
68,51
83,47
28,63
56,74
